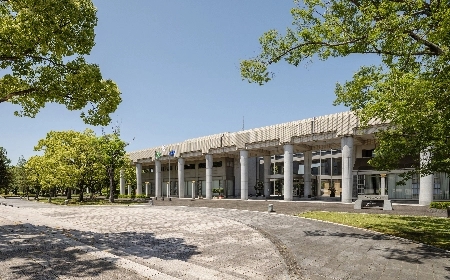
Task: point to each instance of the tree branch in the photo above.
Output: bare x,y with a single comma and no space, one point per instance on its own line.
323,44
433,47
17,93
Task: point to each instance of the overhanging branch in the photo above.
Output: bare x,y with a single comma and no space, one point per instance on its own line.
16,94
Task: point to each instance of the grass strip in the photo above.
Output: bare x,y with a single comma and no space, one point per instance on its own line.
98,201
433,231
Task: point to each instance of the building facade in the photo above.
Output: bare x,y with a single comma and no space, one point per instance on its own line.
313,158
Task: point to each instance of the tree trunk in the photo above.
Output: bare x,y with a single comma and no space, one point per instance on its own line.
68,193
38,190
111,185
80,198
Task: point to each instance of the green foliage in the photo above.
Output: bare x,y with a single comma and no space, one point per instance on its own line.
439,205
259,186
113,157
78,160
408,89
428,230
218,190
42,54
21,180
132,196
279,186
5,171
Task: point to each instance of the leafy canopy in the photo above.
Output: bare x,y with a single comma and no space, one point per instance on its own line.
409,89
42,49
5,171
79,160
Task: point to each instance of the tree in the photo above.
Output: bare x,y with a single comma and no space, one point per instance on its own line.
113,158
43,44
81,160
20,176
38,168
5,171
408,90
74,157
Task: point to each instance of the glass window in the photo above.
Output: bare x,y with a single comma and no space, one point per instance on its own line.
335,152
189,166
337,166
437,185
325,166
415,185
367,153
217,164
360,183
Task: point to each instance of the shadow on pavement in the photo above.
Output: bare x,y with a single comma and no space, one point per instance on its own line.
143,245
40,252
414,255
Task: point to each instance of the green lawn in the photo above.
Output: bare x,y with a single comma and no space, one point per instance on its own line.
427,230
88,201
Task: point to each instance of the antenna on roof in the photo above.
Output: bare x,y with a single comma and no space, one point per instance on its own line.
242,122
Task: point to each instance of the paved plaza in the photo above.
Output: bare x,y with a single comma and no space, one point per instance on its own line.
184,239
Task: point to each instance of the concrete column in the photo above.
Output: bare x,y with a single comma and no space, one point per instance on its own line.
181,177
383,184
147,189
193,189
347,168
209,166
307,176
122,181
138,178
129,190
244,174
267,163
288,172
426,182
157,178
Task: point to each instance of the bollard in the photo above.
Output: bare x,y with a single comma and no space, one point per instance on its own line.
170,199
270,208
162,198
150,202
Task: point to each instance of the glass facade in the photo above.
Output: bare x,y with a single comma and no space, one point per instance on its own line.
326,171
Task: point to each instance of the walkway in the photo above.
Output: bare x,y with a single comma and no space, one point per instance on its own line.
172,241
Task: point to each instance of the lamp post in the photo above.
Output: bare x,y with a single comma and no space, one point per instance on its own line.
171,154
168,185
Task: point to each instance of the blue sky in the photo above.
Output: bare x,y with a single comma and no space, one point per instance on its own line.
176,63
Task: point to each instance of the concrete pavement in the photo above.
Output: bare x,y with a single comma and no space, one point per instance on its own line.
179,241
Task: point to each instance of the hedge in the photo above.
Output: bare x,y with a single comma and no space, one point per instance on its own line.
440,205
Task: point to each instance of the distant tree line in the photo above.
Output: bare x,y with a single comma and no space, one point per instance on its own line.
70,161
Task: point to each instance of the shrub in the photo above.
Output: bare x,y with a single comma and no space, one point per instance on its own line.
440,205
